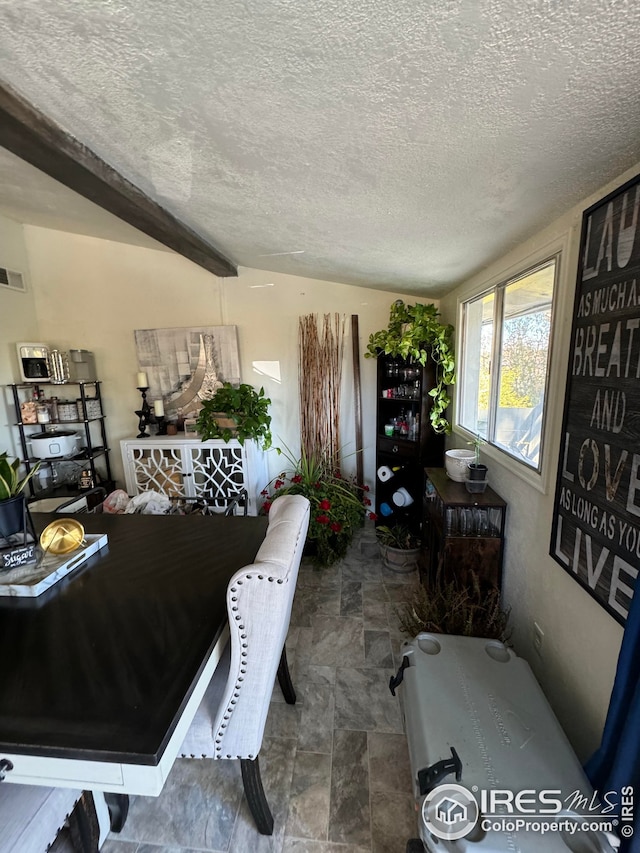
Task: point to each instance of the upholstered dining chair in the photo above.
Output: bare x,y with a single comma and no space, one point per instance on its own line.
31,818
230,720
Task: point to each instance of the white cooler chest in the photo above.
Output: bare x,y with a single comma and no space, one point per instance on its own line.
477,698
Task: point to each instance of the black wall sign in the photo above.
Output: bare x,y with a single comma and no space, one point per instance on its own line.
596,519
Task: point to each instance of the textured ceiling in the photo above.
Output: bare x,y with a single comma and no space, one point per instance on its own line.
389,143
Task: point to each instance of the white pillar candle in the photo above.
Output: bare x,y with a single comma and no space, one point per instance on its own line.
158,408
142,380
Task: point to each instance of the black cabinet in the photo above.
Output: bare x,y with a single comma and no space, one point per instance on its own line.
405,440
462,532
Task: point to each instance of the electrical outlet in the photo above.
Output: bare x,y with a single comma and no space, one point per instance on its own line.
538,637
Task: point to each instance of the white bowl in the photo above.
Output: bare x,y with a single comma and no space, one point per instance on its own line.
455,463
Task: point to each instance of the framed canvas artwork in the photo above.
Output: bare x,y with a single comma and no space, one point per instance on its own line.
185,366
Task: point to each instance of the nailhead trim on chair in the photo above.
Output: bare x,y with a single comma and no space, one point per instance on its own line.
243,656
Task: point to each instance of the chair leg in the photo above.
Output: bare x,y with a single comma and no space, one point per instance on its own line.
254,793
284,679
118,805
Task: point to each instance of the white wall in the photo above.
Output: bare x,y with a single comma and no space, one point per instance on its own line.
18,322
92,294
581,641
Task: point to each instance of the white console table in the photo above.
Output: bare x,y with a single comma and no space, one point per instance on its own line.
179,465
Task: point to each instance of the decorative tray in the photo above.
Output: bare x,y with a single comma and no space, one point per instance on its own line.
32,580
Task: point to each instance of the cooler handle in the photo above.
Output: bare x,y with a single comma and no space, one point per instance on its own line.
431,776
396,679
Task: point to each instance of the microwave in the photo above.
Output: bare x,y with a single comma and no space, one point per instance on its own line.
33,361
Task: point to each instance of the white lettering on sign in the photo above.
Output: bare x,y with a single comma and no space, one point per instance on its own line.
634,486
597,350
18,557
617,584
595,564
589,461
609,410
606,300
605,251
625,242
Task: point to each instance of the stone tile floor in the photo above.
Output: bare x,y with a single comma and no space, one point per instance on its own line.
335,766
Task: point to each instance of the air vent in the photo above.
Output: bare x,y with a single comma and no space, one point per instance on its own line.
11,279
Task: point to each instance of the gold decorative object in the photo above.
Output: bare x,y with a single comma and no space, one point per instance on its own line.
62,536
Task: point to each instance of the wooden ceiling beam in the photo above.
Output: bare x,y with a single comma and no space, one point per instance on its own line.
33,137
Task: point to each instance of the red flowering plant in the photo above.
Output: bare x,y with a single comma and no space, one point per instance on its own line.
338,505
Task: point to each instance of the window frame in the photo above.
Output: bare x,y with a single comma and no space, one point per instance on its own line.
537,476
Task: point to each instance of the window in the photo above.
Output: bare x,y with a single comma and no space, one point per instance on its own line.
505,360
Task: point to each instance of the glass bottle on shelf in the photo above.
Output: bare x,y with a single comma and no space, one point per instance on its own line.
414,426
45,478
43,415
86,480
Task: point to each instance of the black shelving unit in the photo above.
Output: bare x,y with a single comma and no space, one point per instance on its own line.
403,406
94,456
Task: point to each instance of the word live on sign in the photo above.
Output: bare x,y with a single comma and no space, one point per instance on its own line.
596,521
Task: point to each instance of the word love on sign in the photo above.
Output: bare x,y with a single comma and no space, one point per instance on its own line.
596,521
20,555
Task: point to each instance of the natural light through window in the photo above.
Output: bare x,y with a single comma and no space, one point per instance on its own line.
505,362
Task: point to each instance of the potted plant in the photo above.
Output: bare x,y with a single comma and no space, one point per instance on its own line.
12,497
338,505
415,331
477,472
399,547
236,412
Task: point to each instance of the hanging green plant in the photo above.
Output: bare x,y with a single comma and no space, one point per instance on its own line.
240,413
414,331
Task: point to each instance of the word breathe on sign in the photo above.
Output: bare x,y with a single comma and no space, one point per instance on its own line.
598,350
596,521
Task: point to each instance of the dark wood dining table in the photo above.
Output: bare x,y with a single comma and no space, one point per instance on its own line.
101,675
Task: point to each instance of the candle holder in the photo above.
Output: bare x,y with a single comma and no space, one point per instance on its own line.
162,424
144,414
